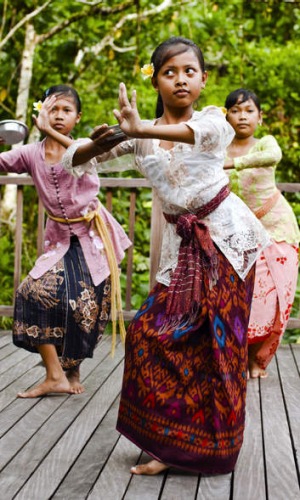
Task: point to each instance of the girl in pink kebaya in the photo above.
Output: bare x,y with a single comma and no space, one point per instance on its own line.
63,305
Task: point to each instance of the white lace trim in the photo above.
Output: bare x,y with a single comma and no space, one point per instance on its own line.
79,170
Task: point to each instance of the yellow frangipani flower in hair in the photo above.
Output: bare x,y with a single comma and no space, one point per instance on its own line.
37,106
147,71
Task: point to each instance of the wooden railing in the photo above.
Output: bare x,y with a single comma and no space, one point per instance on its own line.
129,185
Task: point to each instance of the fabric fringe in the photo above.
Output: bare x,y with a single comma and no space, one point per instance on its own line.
180,321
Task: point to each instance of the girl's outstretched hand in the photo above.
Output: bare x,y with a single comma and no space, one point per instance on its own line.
105,138
127,115
42,119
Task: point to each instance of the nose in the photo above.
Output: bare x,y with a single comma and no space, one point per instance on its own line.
59,114
243,115
180,80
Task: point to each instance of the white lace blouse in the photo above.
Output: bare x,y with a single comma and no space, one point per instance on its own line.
185,178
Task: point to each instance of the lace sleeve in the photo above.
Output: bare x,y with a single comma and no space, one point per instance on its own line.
211,130
79,170
265,153
107,162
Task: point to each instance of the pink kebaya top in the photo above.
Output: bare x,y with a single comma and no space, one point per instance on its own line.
67,197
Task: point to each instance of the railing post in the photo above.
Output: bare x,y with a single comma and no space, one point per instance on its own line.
157,222
130,249
18,238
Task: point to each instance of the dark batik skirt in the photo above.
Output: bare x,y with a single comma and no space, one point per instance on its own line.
184,386
63,308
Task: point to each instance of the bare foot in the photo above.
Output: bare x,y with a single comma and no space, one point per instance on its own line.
257,372
73,376
150,469
48,386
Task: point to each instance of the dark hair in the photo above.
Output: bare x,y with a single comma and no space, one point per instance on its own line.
64,90
241,95
170,48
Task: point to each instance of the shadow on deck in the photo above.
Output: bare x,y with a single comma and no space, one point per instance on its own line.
66,447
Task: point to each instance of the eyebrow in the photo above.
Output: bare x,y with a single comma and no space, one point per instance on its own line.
188,65
239,104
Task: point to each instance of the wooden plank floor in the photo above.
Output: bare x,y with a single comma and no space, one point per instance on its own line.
66,447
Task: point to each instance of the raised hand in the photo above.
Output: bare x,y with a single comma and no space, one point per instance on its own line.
127,115
42,119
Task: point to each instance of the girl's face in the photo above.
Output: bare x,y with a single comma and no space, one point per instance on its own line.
244,118
63,115
180,80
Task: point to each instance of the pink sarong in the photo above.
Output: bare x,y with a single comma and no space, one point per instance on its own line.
274,291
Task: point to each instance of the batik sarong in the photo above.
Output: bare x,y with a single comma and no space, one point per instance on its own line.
184,385
62,308
273,296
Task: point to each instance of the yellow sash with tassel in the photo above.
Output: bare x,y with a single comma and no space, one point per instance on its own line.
116,300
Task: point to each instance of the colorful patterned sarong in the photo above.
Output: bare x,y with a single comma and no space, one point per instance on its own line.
184,385
62,308
273,296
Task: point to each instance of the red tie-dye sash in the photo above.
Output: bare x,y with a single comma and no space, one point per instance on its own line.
197,254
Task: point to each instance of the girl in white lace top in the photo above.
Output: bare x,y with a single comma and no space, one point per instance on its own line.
184,385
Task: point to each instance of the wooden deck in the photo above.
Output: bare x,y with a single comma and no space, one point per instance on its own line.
66,447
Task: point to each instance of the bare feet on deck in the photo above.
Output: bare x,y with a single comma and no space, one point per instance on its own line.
150,469
61,385
73,377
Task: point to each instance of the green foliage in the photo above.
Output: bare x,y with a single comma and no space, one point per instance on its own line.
6,267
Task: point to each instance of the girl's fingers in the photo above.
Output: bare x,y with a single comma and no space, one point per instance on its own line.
123,99
133,99
49,101
117,115
99,131
121,91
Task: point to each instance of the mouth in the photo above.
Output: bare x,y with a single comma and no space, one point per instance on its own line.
58,126
182,93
